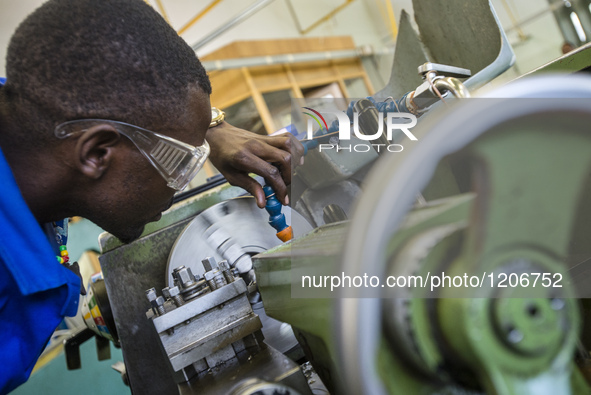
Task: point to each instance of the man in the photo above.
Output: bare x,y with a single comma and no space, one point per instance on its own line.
94,89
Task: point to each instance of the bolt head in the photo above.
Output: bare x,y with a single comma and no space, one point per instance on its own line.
174,291
224,265
166,292
159,301
184,276
209,263
151,294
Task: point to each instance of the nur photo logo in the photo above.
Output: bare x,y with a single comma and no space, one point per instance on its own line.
391,122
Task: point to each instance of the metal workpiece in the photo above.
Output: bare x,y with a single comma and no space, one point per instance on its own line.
228,248
243,264
234,254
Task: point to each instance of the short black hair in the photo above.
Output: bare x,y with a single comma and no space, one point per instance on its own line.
110,59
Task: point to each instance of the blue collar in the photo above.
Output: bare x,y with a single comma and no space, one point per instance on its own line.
24,248
2,81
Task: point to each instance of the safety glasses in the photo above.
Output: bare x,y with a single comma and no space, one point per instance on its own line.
176,161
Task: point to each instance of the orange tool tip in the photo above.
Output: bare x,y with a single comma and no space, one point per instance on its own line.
286,234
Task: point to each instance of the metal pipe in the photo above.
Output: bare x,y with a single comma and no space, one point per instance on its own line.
198,16
452,85
553,7
522,35
226,64
319,21
233,22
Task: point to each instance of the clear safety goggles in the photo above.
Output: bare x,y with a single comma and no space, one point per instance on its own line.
176,161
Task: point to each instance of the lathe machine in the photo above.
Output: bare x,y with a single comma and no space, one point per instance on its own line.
493,193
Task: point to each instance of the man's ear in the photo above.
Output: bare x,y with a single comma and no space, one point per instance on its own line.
95,150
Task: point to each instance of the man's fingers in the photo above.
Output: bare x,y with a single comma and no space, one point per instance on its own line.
289,143
279,158
251,186
274,178
252,163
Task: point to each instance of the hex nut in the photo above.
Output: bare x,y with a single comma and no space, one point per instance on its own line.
151,294
209,263
224,265
184,276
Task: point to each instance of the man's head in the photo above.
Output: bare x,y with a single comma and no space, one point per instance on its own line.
107,59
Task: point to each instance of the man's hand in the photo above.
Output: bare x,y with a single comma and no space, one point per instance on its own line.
237,152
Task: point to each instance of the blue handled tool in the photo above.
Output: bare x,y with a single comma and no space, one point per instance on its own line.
273,206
